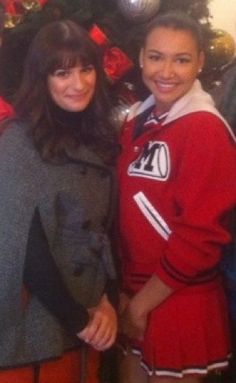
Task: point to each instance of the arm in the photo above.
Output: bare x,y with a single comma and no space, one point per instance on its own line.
205,191
16,209
135,310
97,326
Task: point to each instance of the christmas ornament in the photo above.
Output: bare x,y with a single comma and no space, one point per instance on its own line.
15,10
11,21
115,62
139,10
13,13
126,98
221,49
12,7
98,36
31,5
119,114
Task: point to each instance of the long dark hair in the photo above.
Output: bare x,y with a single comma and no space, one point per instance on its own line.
63,44
2,18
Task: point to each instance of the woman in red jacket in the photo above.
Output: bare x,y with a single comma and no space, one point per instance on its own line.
177,179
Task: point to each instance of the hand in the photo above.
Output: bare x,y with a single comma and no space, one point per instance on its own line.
124,300
101,331
133,321
125,325
151,295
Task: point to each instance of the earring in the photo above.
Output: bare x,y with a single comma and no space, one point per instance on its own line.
200,70
141,66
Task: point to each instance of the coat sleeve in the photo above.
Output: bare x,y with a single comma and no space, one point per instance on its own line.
16,209
205,192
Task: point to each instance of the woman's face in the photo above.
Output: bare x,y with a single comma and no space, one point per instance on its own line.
171,61
72,89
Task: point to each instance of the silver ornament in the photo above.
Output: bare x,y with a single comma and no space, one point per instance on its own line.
119,114
139,10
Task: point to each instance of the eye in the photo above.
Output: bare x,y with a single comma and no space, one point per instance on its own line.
154,57
183,60
88,68
61,73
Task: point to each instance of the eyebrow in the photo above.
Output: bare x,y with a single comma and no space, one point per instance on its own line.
176,54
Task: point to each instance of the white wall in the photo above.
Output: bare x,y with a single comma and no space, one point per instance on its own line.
224,15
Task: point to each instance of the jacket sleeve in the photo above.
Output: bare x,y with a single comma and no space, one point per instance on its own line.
16,209
205,192
43,279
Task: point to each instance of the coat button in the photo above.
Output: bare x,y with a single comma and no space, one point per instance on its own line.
104,174
104,222
86,225
78,271
83,170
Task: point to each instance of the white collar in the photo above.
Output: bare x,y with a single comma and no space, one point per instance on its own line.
195,100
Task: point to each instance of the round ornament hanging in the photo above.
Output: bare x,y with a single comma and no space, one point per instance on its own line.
221,49
139,10
126,97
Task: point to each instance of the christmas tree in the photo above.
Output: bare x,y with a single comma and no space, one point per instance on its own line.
117,25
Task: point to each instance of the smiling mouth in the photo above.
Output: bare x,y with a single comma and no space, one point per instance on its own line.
166,86
78,95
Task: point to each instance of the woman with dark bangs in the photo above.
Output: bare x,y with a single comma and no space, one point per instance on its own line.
56,211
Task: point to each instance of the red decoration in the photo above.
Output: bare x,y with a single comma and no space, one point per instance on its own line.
98,36
42,2
12,7
115,62
15,7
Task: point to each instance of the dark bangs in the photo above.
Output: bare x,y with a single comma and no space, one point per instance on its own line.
68,50
63,44
68,58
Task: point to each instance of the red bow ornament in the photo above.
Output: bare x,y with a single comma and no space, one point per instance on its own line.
115,62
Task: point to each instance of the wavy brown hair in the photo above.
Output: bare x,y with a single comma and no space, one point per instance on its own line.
63,44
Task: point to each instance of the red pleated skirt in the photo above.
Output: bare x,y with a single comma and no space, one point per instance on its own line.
188,334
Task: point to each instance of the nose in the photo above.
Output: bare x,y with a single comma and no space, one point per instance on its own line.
77,80
167,69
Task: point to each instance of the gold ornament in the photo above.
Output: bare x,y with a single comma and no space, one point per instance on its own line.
31,5
221,48
139,10
11,21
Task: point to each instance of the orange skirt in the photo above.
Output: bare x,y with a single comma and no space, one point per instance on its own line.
67,369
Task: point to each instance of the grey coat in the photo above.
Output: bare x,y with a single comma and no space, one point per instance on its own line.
75,202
